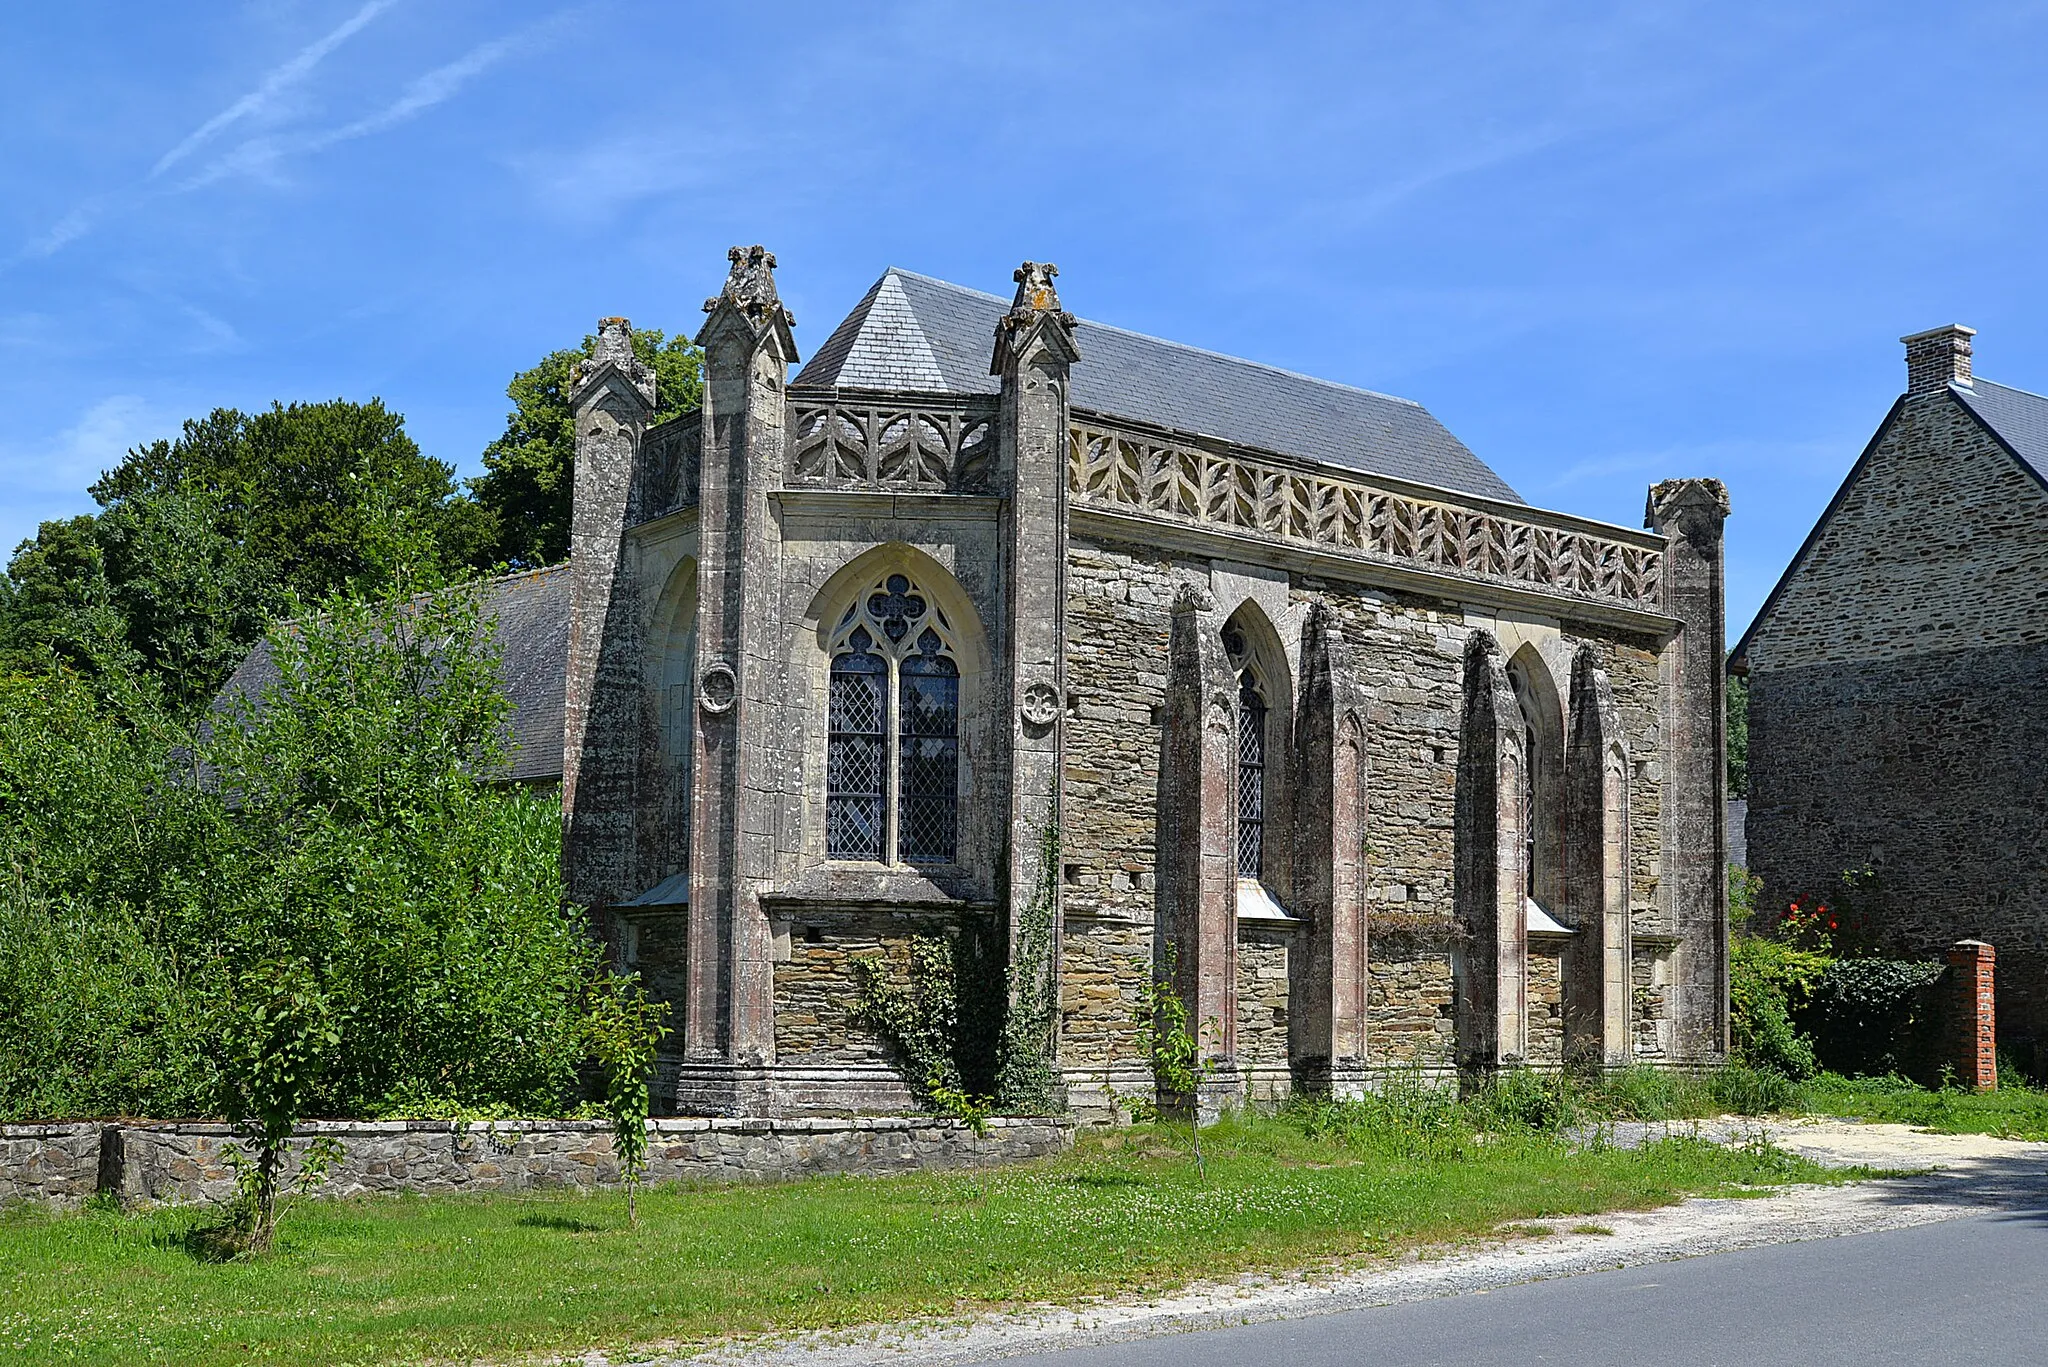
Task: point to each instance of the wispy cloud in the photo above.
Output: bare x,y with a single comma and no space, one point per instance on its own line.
1736,455
46,478
259,157
272,86
263,157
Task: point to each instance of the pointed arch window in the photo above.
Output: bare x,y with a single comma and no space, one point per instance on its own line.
1539,806
1251,777
892,750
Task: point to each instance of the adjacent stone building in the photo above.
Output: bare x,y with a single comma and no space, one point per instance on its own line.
1098,656
1898,682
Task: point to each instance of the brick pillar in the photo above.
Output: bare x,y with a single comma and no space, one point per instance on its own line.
728,1004
1973,1023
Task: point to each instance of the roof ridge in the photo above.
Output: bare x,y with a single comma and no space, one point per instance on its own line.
1177,346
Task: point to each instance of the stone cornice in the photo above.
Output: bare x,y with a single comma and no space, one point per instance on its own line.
1490,552
839,503
1144,529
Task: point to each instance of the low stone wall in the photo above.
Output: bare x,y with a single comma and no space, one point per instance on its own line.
142,1164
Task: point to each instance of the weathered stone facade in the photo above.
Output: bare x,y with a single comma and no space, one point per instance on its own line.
967,625
1898,682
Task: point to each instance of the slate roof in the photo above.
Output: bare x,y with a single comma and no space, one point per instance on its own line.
918,334
532,613
2019,419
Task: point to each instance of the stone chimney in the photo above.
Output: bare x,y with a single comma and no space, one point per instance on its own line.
1937,357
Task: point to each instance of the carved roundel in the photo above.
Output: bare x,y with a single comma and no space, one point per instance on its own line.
1041,703
717,687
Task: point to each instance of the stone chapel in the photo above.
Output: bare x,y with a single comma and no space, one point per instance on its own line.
1130,657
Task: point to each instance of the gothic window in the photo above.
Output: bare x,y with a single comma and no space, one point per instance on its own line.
892,756
855,751
928,747
1528,814
1538,806
1251,778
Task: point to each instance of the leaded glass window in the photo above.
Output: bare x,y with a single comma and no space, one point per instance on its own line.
856,761
1251,778
928,753
893,737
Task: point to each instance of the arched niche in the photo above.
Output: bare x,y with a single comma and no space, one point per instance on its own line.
1490,961
1598,988
1264,718
1539,814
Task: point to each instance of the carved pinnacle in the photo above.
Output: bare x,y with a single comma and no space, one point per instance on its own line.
750,286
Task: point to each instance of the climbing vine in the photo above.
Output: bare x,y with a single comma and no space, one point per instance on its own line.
1025,1077
972,1027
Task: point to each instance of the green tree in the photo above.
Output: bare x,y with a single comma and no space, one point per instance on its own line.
204,538
1738,736
623,1028
61,604
529,471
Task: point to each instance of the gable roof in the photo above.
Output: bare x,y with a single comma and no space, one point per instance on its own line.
532,612
2017,418
917,334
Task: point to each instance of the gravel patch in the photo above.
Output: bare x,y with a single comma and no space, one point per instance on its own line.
1951,1176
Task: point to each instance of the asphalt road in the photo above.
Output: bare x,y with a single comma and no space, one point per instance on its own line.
1972,1290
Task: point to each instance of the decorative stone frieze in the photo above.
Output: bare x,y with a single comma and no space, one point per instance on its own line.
847,444
1118,469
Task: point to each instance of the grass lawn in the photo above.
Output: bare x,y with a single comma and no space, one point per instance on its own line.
402,1279
2009,1113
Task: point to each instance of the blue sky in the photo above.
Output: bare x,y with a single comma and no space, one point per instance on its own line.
1605,244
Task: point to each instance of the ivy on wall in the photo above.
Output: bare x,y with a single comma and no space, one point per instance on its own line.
971,1026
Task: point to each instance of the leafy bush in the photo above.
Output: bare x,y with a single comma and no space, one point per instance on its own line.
1868,1015
1407,1116
1523,1099
1641,1092
346,821
1768,981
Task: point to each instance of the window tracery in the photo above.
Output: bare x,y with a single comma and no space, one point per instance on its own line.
892,750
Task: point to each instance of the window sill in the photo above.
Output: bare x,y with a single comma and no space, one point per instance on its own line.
848,884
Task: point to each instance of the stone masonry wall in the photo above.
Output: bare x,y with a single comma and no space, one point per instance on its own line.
1546,1007
1897,718
816,993
61,1165
1262,996
1941,544
1409,1003
1931,770
1410,651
